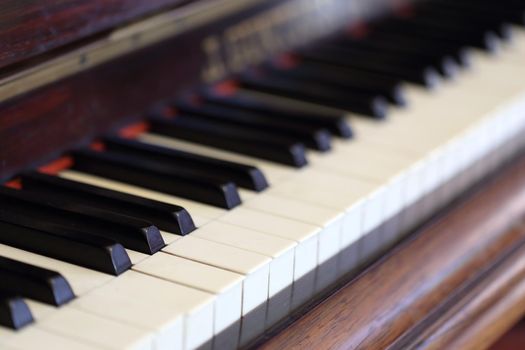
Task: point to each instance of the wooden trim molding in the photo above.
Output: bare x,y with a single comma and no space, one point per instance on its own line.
458,283
485,313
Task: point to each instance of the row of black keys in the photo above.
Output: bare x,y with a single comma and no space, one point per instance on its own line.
90,226
361,76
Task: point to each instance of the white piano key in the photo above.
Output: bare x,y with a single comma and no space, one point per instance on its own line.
32,337
329,220
196,209
305,235
88,328
205,210
136,257
40,310
255,267
94,330
179,316
282,251
336,192
226,286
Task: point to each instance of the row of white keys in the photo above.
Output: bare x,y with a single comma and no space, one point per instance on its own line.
471,103
32,337
225,286
270,217
291,217
304,235
87,328
258,260
201,210
287,263
158,313
267,269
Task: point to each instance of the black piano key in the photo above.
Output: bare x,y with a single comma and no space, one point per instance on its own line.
434,13
313,137
411,43
351,80
131,232
386,58
168,217
14,312
502,12
34,282
148,174
444,63
236,139
242,175
336,123
363,103
426,76
463,36
22,231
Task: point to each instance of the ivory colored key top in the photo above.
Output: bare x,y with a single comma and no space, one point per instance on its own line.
196,209
82,280
206,213
34,337
305,235
89,328
331,221
179,316
280,250
333,191
402,174
95,330
226,286
255,267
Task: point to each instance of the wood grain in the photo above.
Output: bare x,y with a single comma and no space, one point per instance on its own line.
412,288
37,126
486,312
29,28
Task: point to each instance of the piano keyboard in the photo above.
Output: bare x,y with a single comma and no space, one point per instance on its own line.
229,209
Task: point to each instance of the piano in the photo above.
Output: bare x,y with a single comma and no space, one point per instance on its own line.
261,174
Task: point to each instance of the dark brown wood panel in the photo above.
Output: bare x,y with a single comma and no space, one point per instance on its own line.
39,125
42,123
31,27
391,304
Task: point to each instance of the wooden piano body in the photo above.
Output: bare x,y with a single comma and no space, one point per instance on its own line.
71,70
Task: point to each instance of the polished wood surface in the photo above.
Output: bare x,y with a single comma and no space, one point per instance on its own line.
30,28
39,123
37,126
513,339
458,282
485,313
